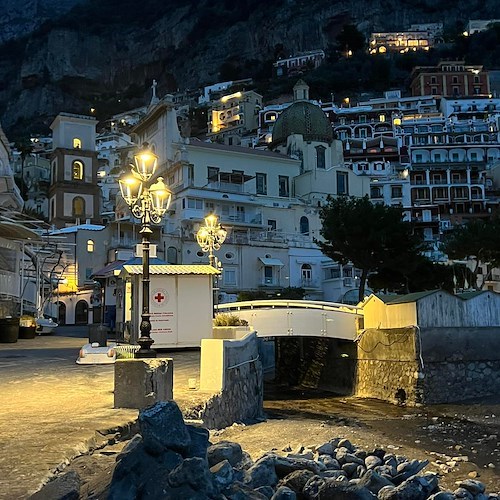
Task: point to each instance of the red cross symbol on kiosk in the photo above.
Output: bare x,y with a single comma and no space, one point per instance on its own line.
159,297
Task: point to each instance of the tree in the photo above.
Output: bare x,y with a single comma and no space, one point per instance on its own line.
374,237
350,38
478,242
420,274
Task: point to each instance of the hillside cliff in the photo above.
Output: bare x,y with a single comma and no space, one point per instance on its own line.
107,52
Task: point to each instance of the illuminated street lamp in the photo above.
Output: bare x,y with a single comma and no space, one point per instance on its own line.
210,237
149,203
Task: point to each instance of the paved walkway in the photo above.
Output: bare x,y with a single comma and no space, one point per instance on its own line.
53,409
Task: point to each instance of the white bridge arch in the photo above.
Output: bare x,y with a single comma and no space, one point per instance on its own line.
279,318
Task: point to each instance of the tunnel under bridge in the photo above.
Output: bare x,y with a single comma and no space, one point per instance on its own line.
310,344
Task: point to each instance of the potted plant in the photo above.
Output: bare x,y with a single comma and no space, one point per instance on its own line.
228,326
27,327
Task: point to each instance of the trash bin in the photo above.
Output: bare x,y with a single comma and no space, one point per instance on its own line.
27,327
9,330
99,334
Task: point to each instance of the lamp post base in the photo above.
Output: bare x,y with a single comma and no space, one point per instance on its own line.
145,350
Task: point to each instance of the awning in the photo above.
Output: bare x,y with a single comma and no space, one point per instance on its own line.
109,270
271,262
172,269
14,231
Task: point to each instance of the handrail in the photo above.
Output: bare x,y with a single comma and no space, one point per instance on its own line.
289,304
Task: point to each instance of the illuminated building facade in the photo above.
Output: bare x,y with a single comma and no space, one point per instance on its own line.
450,79
234,116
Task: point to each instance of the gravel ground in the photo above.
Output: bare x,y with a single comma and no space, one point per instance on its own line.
438,434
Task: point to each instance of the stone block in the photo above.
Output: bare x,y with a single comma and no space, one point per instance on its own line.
140,383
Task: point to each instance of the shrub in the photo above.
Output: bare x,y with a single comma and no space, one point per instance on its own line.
226,319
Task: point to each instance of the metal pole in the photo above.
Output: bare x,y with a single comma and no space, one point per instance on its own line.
145,341
211,260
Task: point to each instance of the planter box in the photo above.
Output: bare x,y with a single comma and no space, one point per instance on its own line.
230,332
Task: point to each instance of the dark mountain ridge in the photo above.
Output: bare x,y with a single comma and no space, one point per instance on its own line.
106,53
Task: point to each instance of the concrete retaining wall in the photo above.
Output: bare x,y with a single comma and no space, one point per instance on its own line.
233,370
431,365
460,363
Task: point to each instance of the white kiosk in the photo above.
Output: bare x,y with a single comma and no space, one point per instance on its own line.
180,303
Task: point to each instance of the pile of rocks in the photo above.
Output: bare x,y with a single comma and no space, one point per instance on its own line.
170,459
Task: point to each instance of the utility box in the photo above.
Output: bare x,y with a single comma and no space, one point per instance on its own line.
99,334
180,303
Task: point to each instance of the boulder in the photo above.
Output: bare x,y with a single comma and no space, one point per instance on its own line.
223,474
343,490
329,462
63,487
284,493
239,491
475,487
162,427
193,472
325,449
296,480
225,450
199,442
262,473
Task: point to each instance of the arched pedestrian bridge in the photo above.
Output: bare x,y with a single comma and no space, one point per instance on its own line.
284,318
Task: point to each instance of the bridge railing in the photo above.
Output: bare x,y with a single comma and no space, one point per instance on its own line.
272,318
284,303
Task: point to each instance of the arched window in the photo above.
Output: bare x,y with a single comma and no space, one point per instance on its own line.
172,255
61,306
78,206
306,272
77,171
304,225
77,143
90,246
81,313
320,157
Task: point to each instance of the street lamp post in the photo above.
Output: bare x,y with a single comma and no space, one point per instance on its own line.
210,237
147,202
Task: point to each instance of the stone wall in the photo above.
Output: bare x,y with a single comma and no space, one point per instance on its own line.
240,397
428,365
388,366
460,363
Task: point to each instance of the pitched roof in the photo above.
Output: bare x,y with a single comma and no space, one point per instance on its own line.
470,294
172,269
409,297
109,269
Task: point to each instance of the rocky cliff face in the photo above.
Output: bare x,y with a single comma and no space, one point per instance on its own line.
71,64
18,19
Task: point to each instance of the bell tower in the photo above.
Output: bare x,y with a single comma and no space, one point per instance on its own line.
74,196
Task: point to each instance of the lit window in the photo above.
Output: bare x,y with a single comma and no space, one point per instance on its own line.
90,246
78,170
77,143
381,118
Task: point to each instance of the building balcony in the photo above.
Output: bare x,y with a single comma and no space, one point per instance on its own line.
426,220
310,284
450,164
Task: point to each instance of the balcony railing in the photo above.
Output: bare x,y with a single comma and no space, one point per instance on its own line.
309,283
